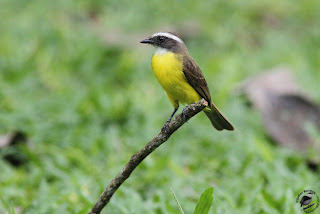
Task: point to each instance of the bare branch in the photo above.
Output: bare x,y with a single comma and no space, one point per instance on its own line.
137,158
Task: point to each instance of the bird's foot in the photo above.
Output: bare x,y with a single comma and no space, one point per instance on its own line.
165,127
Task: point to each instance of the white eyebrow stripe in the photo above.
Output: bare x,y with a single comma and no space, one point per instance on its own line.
171,36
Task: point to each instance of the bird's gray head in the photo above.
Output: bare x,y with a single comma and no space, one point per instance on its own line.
166,42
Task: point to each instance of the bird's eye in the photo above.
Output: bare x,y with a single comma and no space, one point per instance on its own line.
161,39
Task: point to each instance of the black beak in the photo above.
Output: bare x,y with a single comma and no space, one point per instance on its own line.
147,41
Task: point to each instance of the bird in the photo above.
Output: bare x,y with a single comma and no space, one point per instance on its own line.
181,77
305,200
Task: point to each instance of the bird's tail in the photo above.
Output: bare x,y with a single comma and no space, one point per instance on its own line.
217,119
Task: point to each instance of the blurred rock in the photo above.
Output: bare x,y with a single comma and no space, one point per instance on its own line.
10,145
289,116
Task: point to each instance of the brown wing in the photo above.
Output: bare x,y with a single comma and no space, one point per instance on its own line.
195,78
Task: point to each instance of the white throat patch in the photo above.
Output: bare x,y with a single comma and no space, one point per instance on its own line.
169,35
161,51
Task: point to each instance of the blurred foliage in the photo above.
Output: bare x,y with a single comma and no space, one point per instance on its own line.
74,77
204,204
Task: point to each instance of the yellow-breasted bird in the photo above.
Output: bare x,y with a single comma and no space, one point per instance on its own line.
181,77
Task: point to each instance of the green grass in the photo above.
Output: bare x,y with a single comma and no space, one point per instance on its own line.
84,93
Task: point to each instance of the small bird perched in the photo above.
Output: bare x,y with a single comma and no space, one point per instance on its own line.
305,200
181,78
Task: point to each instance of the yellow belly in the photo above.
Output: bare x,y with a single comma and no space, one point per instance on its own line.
168,70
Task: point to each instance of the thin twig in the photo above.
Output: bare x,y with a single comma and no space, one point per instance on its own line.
137,158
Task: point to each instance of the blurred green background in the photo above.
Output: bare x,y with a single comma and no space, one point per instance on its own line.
75,79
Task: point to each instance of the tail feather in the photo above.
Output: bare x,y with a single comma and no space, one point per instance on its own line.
217,119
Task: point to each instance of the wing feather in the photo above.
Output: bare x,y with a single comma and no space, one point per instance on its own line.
195,78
